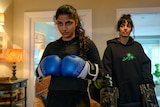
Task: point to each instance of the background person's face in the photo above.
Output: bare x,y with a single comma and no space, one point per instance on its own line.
66,26
125,29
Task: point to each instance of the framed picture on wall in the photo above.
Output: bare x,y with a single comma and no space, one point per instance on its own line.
2,45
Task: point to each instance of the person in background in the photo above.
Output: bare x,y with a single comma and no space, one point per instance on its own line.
71,61
126,62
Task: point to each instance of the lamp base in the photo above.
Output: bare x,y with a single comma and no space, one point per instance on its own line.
14,78
14,72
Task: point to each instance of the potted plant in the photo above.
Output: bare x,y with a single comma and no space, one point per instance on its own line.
157,74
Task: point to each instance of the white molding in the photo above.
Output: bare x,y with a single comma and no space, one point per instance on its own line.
29,19
146,10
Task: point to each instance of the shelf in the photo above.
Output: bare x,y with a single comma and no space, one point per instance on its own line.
13,90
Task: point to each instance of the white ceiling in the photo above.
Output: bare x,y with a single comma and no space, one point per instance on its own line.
146,24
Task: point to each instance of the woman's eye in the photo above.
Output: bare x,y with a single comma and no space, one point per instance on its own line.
59,24
68,23
129,26
122,25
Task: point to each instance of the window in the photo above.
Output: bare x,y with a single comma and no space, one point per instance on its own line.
151,45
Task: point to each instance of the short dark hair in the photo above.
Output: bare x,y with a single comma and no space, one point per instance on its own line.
123,19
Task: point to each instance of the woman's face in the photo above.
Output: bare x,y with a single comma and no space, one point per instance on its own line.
66,26
125,29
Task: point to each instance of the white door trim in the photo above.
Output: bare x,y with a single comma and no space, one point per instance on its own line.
146,10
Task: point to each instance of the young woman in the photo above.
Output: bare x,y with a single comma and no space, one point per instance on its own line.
126,62
64,60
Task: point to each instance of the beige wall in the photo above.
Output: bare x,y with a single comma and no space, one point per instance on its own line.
103,13
6,7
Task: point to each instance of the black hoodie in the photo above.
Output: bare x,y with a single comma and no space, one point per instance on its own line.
129,67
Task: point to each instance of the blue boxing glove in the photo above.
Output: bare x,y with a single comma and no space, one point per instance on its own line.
50,65
75,66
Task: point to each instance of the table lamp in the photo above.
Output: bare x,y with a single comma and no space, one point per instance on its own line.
14,55
2,18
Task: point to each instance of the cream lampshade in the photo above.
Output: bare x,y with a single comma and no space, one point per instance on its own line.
14,55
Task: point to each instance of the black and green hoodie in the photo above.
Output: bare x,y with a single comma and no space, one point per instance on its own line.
129,66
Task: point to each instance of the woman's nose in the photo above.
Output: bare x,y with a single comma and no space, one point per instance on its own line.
64,27
125,27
